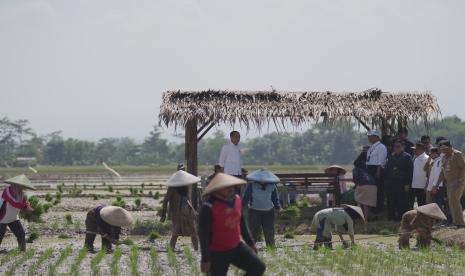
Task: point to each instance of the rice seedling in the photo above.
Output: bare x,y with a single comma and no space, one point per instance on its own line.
40,260
134,260
28,255
154,264
68,219
48,197
9,256
191,260
156,196
114,265
153,236
110,189
94,263
138,202
172,261
77,226
77,262
34,235
64,253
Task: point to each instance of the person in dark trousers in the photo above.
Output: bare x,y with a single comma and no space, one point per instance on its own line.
398,178
106,221
12,202
221,226
376,160
261,197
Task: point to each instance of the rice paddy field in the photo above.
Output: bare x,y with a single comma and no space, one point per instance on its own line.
56,240
52,257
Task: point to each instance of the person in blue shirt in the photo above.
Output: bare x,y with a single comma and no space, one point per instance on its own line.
261,198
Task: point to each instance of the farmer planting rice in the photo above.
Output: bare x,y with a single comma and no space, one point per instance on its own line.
340,219
106,221
420,221
221,225
261,196
180,209
13,201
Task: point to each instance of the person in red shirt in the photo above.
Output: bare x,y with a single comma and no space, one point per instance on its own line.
221,226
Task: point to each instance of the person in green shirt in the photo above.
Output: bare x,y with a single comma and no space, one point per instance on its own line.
340,220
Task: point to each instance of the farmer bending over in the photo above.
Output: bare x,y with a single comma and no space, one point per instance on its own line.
220,228
13,201
340,219
106,221
420,221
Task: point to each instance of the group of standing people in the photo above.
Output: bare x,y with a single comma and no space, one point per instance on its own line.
400,173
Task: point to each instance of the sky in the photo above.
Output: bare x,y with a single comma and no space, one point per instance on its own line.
98,68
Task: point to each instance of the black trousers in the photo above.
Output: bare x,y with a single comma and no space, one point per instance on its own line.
440,198
419,195
259,220
17,228
89,243
242,257
372,170
397,200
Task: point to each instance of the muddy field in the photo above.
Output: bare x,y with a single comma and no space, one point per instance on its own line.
58,249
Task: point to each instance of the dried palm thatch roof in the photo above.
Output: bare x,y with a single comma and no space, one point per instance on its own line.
256,108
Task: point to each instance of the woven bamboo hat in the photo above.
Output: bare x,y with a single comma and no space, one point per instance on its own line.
357,209
263,176
220,181
116,216
182,178
341,169
21,180
432,210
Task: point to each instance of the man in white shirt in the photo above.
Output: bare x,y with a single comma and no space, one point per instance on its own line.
420,177
376,159
230,157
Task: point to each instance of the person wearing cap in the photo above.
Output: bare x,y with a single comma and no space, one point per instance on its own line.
420,177
421,221
261,198
365,184
453,173
376,160
221,226
402,134
106,221
340,219
180,210
397,179
13,201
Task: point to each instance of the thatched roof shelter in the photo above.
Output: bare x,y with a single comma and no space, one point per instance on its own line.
259,108
199,111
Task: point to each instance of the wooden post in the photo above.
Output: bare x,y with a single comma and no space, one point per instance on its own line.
191,155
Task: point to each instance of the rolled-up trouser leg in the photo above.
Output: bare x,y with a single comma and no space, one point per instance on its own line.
321,240
454,193
424,237
255,223
268,227
106,245
89,242
404,239
17,228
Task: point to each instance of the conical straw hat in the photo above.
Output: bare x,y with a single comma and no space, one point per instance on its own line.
336,167
263,176
432,210
357,209
116,216
221,181
21,180
182,178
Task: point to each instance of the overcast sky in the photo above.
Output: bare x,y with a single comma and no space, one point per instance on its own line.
98,68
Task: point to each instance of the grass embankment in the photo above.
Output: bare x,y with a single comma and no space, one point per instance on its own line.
155,169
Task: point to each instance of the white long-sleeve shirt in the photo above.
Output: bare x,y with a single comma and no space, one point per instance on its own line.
377,155
420,178
230,159
436,169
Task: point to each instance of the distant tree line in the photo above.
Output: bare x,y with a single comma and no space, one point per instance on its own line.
337,143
